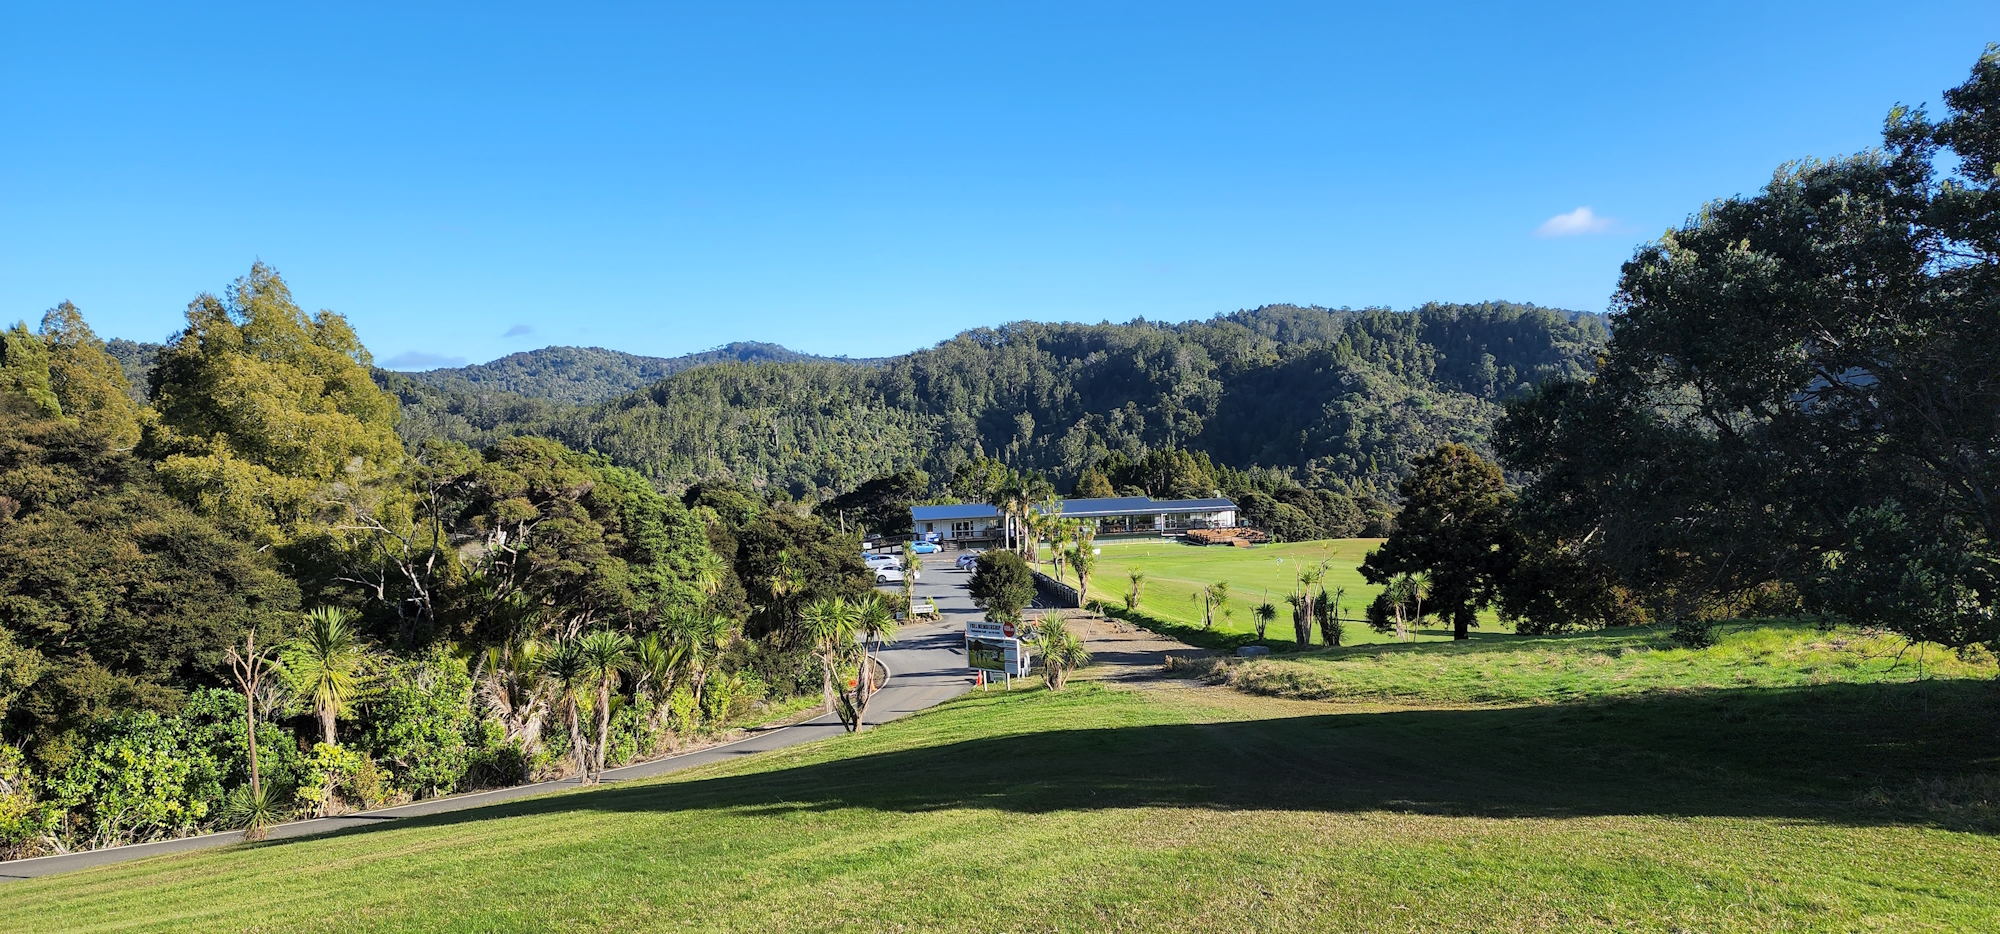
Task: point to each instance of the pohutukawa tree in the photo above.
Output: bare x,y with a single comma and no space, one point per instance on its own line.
1802,388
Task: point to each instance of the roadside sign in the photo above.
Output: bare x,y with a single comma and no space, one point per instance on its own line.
986,630
992,647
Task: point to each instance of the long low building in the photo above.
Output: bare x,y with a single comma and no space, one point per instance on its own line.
1113,515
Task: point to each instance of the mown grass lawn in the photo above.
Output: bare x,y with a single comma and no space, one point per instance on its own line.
1814,803
1176,573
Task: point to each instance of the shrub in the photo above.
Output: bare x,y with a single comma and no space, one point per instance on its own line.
327,779
140,777
684,711
423,728
214,723
27,826
505,763
1001,584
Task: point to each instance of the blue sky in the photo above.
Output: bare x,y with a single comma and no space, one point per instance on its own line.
862,179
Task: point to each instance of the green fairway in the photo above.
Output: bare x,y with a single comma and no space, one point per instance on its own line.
1176,573
1817,799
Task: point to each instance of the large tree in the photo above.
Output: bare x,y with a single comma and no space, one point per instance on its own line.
87,382
556,541
879,505
1456,526
131,595
1803,389
264,411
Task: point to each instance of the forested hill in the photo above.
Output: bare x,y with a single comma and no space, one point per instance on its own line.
1345,399
582,375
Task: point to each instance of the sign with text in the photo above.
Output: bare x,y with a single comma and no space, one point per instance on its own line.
992,647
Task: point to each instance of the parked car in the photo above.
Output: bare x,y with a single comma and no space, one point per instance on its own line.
924,548
889,575
967,560
882,561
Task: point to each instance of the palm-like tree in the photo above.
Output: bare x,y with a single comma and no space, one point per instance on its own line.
567,674
1011,498
1062,652
1213,597
606,655
326,665
702,638
511,690
656,665
709,572
1138,579
1083,560
831,624
1045,521
251,667
876,625
911,562
1265,613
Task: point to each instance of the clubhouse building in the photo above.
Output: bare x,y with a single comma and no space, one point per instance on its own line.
1114,515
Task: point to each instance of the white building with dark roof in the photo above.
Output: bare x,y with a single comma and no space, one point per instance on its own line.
1113,515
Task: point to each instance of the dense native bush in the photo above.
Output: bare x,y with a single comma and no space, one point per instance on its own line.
142,776
422,727
26,823
143,534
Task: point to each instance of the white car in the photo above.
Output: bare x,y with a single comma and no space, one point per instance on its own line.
882,561
889,575
967,560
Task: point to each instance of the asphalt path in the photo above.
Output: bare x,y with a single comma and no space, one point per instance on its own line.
926,667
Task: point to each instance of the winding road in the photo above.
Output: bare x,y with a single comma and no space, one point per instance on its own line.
926,667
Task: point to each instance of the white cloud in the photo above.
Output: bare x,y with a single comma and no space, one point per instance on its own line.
1575,224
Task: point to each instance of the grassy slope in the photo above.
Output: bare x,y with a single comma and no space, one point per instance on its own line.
1754,808
1176,572
1768,654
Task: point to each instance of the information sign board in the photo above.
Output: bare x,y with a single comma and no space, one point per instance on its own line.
992,647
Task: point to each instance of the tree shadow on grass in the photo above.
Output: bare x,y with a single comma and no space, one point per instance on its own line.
1810,754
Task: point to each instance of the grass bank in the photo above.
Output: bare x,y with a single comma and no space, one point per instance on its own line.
1612,663
1805,806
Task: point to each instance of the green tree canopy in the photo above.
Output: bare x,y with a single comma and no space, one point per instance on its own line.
87,381
24,370
1803,388
1092,484
572,541
1457,526
131,595
263,409
1001,585
880,505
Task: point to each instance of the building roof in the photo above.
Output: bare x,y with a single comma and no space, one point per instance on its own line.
1138,506
953,511
1078,508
